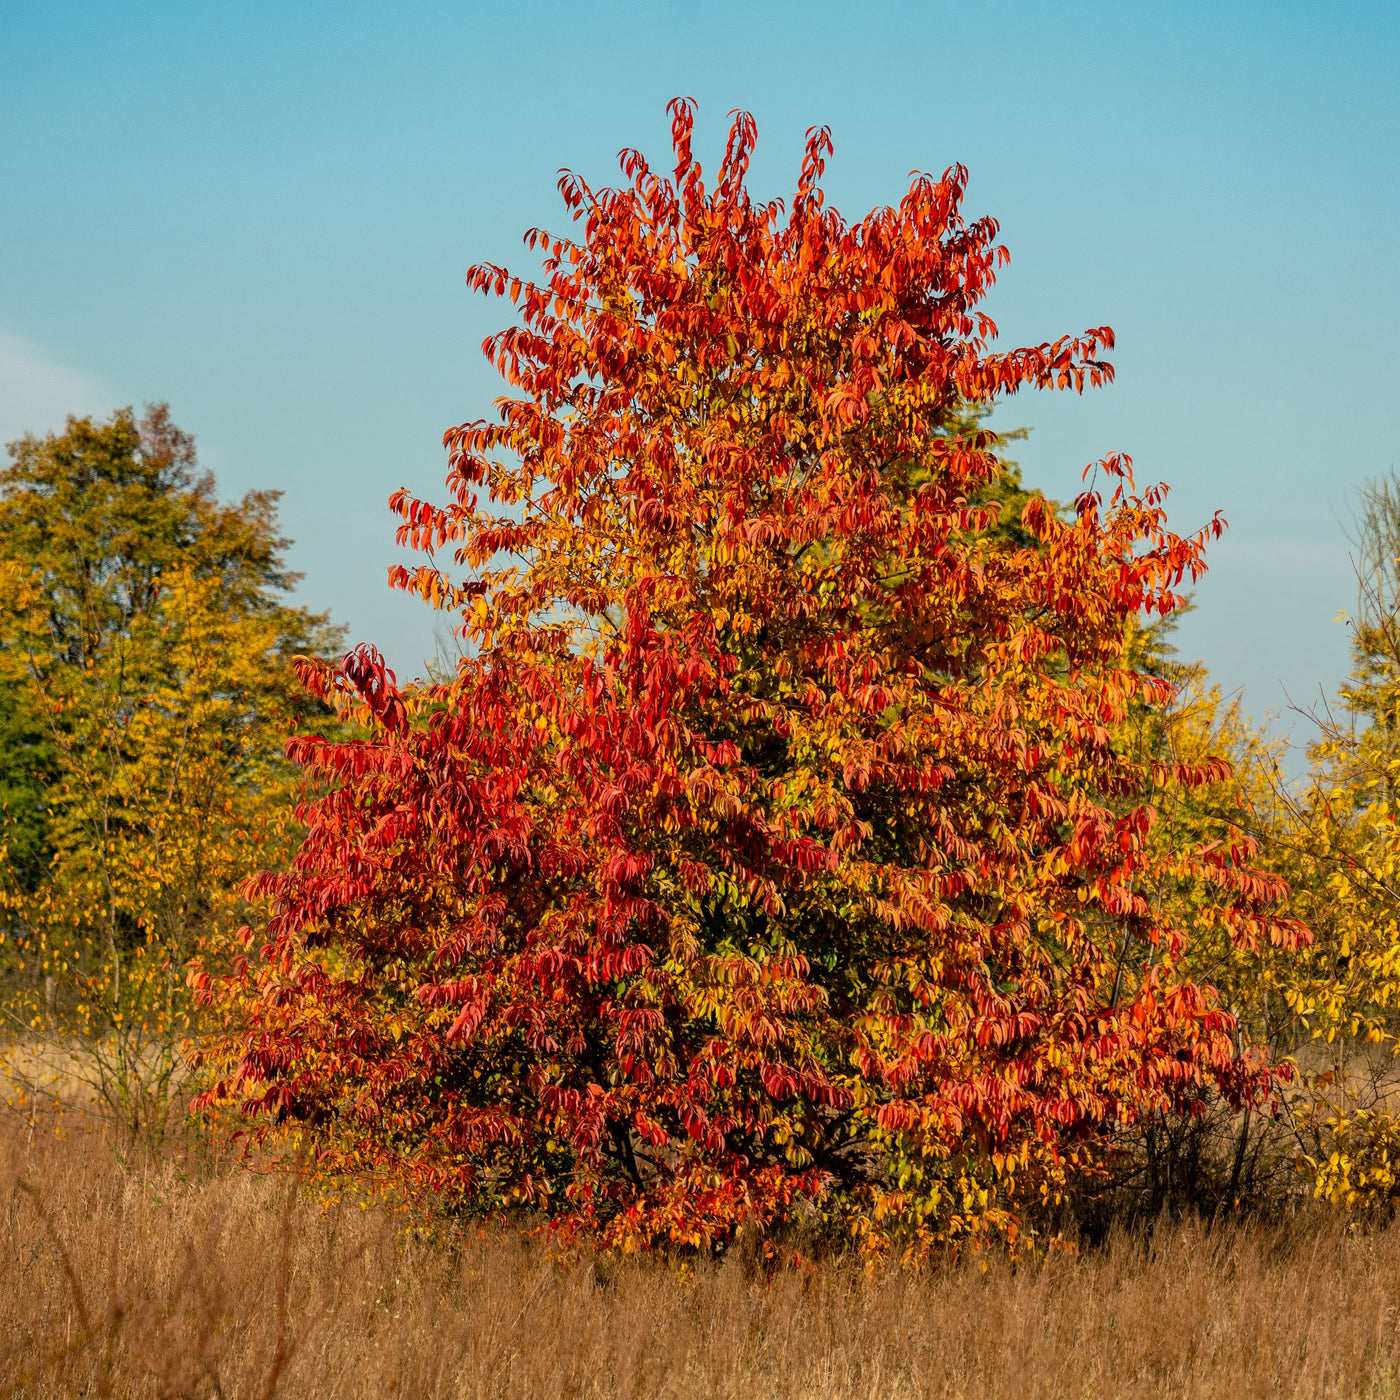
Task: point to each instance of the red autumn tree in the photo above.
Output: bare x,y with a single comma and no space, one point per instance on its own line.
769,850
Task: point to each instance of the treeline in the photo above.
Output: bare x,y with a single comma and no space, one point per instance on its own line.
816,834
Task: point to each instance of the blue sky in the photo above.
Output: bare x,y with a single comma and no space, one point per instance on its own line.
262,213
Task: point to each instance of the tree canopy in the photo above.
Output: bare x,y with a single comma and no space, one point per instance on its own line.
772,852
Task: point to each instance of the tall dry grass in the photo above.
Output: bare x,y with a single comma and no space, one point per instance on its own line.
175,1277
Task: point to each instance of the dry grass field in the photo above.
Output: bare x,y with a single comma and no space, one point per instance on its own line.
139,1278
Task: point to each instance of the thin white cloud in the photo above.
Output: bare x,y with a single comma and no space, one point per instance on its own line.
38,392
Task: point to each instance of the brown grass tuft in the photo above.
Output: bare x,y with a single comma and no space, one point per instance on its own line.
170,1278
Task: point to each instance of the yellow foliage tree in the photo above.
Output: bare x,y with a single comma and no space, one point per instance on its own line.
1332,1006
1235,801
147,651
